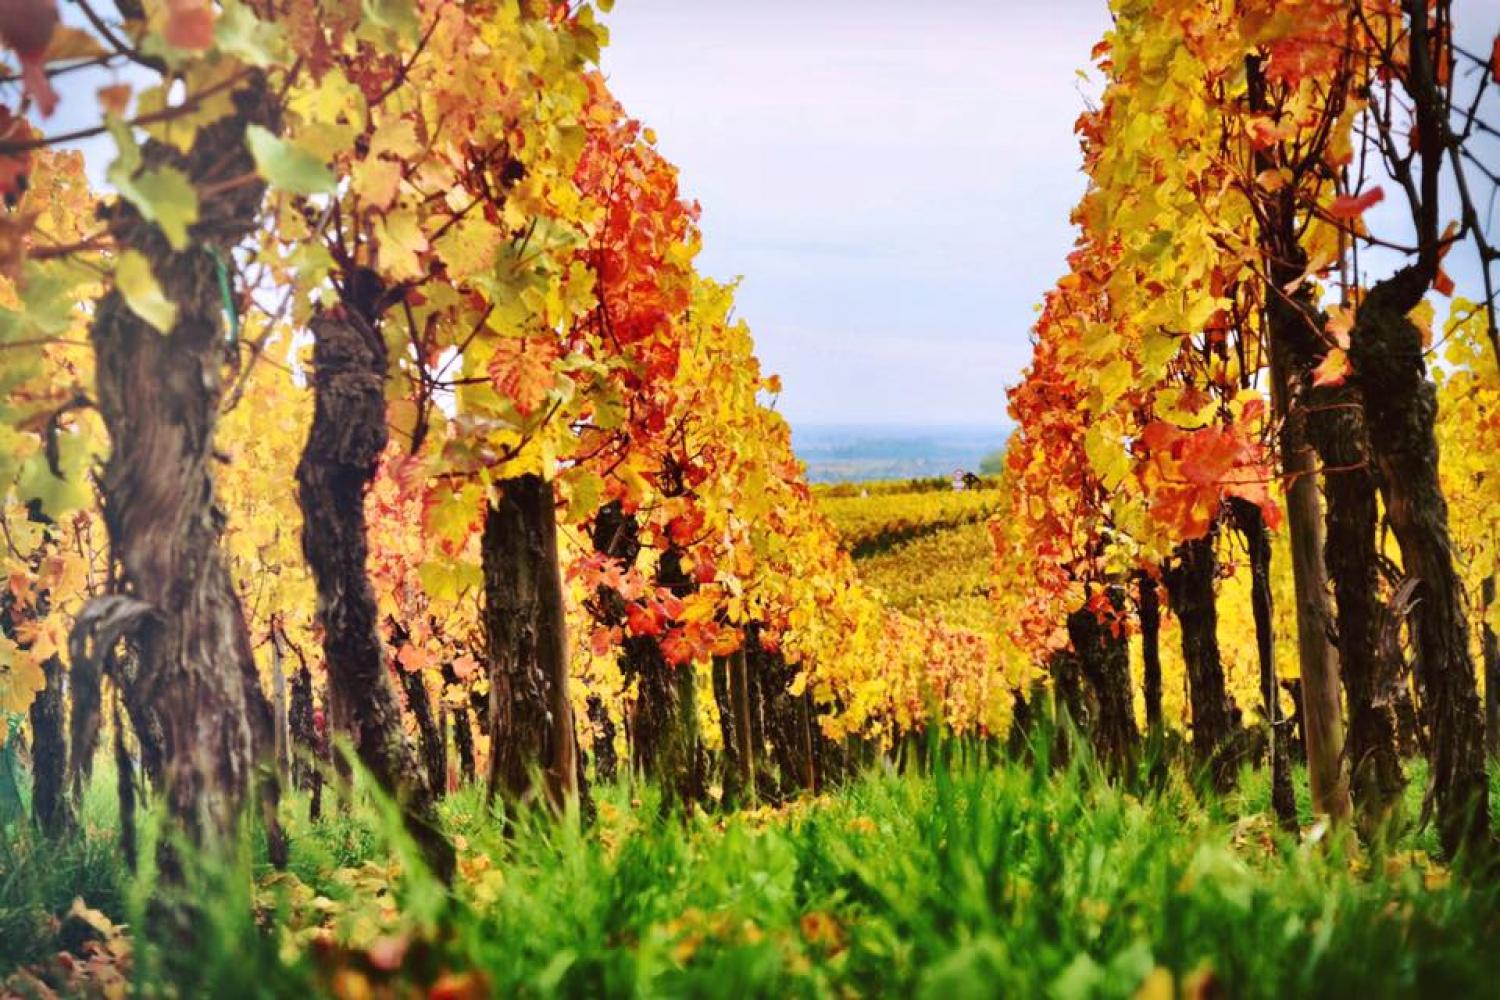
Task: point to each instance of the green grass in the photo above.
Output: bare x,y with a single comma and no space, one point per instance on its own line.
39,879
973,880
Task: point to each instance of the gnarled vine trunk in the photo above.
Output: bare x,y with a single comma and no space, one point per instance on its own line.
159,394
606,759
732,691
49,754
1190,586
279,706
1252,526
791,742
531,718
1370,676
1400,407
1148,610
305,758
744,712
1072,710
1330,418
344,444
1023,722
667,745
463,728
430,730
1104,657
756,695
664,744
125,791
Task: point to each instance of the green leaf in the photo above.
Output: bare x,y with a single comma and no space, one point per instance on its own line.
50,295
584,490
59,497
240,33
398,16
162,195
141,292
1113,381
286,165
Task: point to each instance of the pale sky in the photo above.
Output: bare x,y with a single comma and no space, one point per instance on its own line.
892,180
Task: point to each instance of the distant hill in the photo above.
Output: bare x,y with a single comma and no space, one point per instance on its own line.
837,453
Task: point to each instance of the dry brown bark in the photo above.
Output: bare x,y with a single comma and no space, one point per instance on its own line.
1352,556
788,727
463,730
1252,526
1104,657
664,744
732,692
430,729
1388,357
1400,407
50,808
1329,419
1072,707
1148,610
159,395
1190,583
530,716
339,461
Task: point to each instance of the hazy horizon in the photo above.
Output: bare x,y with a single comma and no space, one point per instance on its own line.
848,452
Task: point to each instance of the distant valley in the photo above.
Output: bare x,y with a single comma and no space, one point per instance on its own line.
837,453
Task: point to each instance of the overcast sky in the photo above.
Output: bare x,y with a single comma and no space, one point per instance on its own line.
892,180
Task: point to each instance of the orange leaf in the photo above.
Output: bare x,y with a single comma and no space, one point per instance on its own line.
644,620
684,529
1158,434
676,649
602,640
13,169
115,98
413,658
522,370
704,571
465,666
1208,456
14,233
1349,206
727,641
190,25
